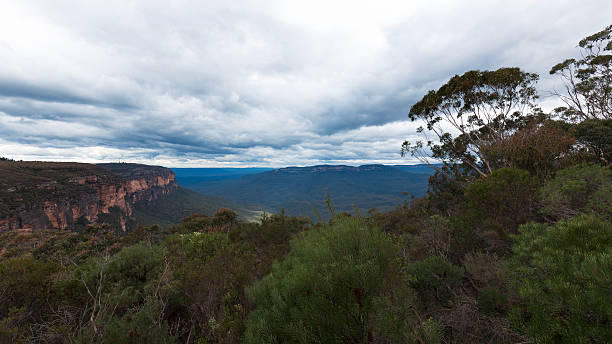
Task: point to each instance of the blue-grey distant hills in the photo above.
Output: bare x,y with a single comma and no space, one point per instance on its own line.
300,190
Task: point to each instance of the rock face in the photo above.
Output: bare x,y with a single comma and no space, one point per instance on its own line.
44,195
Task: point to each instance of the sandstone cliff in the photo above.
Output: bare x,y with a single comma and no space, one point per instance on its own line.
45,195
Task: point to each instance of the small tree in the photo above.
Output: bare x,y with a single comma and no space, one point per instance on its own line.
588,80
470,113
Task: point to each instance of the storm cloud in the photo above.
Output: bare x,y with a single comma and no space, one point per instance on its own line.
254,83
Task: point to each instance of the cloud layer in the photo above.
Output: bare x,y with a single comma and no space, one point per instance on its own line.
253,83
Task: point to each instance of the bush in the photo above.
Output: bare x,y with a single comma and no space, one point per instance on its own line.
323,291
564,274
209,274
578,189
140,327
498,204
485,270
25,282
434,279
491,301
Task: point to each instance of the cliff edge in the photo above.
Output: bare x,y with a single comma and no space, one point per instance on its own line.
57,195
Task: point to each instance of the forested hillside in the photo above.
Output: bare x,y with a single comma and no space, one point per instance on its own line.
303,191
512,243
171,209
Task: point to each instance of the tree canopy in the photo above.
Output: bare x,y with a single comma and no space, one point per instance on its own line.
470,113
588,80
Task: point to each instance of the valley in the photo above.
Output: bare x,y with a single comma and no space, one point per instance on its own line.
304,190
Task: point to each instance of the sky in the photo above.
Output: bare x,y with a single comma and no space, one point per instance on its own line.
255,83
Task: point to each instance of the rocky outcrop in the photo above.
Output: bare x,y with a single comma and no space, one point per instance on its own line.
144,183
40,195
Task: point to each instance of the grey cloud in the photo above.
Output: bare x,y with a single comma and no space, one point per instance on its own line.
251,83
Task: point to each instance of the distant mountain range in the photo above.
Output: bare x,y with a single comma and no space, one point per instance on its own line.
303,190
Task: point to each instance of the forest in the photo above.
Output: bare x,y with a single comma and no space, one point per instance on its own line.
511,244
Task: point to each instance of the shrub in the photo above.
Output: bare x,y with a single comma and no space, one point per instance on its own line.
578,189
140,327
485,270
434,278
25,282
209,274
540,147
465,323
323,291
498,204
564,274
491,301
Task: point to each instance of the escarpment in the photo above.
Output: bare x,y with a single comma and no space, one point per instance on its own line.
49,195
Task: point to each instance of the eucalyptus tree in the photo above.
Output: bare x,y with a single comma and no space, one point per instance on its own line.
469,114
587,80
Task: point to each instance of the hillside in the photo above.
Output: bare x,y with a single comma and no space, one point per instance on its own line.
38,195
178,205
300,189
190,176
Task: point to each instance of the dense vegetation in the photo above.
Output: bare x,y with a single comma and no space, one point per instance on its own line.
171,209
511,244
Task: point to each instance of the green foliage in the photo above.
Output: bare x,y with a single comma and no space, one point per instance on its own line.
11,325
564,273
499,203
125,296
132,270
140,327
596,134
482,106
434,279
486,270
578,189
491,301
588,90
323,291
25,282
171,209
432,332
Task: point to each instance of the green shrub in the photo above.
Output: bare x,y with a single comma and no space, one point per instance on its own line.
140,327
564,274
209,274
434,278
498,204
578,189
323,291
485,270
491,301
25,282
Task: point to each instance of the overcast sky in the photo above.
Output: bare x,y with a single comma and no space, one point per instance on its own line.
196,83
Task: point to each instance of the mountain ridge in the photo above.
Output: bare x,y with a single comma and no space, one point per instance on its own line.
36,195
301,190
